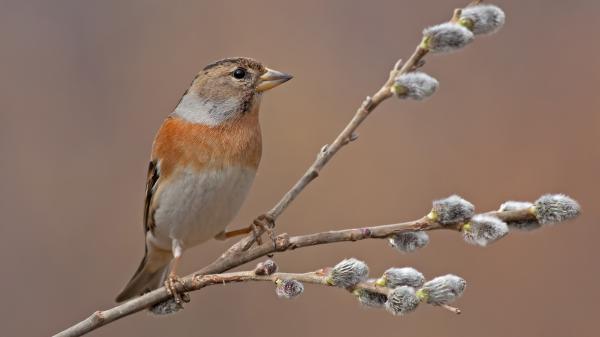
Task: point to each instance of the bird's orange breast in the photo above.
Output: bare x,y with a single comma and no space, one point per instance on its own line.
180,144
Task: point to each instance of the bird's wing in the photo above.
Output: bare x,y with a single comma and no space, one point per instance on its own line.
155,264
151,180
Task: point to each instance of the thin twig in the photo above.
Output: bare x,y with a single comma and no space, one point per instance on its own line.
283,242
100,318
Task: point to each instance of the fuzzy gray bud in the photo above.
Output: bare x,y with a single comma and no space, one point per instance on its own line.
402,300
554,208
484,229
452,210
288,288
267,267
348,273
482,19
442,289
416,85
408,242
446,37
407,276
525,225
370,299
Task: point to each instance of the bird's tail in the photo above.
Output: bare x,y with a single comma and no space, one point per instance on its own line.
151,274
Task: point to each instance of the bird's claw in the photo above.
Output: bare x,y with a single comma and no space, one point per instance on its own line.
171,286
263,222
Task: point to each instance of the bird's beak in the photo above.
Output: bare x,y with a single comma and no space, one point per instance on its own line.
271,79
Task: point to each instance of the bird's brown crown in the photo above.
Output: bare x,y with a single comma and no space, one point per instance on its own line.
244,62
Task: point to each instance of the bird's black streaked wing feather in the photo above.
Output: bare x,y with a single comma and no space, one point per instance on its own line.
151,180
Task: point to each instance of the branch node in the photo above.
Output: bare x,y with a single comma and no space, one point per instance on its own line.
452,309
456,15
323,151
366,104
97,317
282,242
397,65
366,232
419,64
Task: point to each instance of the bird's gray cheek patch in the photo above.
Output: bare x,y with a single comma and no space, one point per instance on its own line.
199,110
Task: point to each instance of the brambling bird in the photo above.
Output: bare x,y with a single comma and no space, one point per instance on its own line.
204,159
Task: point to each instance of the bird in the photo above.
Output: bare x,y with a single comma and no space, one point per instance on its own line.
203,162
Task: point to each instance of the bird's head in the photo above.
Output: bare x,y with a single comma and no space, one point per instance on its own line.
227,89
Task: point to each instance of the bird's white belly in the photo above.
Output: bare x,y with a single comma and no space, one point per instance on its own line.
193,207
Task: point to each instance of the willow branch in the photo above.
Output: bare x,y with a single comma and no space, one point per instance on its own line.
284,242
210,274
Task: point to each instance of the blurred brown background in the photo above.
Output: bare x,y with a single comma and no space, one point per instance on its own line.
85,84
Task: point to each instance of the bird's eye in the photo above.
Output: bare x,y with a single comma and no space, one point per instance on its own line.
239,73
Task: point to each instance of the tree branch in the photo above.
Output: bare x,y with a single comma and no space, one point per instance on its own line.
283,242
210,274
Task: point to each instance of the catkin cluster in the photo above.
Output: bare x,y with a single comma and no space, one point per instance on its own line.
450,36
408,288
401,290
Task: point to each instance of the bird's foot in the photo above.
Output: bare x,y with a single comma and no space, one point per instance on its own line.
171,286
263,222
